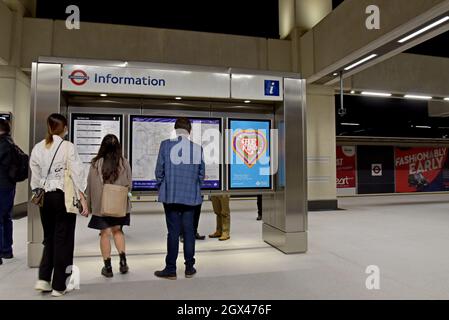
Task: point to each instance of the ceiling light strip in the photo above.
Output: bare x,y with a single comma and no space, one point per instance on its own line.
430,26
376,94
352,66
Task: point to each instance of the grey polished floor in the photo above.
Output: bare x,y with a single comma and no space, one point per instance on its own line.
407,237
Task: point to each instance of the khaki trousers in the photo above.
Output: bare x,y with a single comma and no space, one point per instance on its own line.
221,209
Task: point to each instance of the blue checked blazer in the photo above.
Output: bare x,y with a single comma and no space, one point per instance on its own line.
180,171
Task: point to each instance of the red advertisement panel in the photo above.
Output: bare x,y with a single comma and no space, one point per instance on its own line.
421,169
346,171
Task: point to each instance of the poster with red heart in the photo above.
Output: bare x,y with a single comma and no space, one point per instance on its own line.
250,165
421,169
346,170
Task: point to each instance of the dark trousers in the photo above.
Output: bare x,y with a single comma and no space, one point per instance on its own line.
59,240
259,205
6,206
196,218
179,218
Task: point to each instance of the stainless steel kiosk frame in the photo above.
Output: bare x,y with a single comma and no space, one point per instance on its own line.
285,205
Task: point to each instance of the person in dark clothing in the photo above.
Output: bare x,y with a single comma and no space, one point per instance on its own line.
196,222
259,207
7,192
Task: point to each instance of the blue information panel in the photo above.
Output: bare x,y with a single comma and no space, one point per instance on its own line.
249,149
147,133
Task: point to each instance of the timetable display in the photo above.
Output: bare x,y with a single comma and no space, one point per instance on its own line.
88,131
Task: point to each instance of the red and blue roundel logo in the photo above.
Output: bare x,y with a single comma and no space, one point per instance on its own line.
78,77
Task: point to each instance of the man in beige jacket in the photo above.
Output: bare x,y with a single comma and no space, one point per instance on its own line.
221,208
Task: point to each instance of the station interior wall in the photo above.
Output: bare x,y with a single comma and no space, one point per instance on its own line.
15,98
43,37
24,39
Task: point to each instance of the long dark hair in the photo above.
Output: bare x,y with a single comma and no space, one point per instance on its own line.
56,124
111,153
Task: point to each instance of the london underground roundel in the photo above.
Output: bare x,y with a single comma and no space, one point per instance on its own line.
78,77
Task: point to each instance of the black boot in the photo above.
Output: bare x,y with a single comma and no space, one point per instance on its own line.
107,269
123,265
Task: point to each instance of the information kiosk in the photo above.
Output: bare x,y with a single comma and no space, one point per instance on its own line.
250,123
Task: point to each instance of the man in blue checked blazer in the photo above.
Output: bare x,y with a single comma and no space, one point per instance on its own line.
180,171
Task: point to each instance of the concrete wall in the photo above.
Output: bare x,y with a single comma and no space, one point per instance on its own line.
406,73
343,31
106,41
5,33
321,143
15,98
43,37
7,85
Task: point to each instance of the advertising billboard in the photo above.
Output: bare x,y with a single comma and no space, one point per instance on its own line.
421,169
249,150
346,170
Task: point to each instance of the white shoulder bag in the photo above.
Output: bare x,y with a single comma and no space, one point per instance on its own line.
71,196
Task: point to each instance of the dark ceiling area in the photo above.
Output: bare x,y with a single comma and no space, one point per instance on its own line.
249,17
336,3
388,117
437,47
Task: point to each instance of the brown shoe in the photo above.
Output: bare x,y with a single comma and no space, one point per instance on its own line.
215,235
224,237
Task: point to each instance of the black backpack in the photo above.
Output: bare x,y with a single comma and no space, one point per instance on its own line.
18,169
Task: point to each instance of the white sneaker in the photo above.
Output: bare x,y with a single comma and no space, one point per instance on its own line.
57,294
43,286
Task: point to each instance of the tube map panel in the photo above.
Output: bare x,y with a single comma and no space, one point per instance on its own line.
147,134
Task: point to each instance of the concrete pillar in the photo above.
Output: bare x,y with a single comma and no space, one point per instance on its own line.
16,39
310,12
321,148
19,9
5,33
303,14
296,17
26,7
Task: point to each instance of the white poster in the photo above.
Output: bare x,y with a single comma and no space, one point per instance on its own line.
88,131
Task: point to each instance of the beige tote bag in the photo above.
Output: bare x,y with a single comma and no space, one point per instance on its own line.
71,197
114,199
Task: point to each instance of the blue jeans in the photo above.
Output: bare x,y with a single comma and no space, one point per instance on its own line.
6,206
179,218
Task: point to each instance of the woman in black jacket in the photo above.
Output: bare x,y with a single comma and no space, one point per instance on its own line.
7,192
